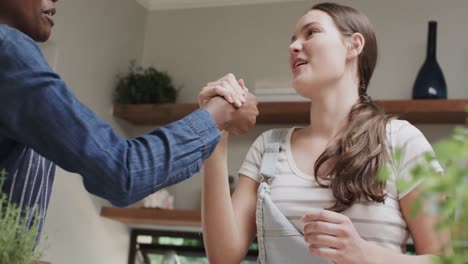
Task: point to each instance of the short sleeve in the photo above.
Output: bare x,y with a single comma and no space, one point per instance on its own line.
251,165
413,147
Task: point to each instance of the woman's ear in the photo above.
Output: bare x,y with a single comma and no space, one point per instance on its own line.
355,45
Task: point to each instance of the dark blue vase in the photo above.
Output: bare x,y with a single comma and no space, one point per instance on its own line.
430,82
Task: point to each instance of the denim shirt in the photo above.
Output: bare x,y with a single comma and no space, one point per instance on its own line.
42,124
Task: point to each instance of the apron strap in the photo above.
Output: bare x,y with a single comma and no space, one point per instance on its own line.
270,156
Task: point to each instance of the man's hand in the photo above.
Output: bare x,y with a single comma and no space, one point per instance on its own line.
237,112
245,117
234,120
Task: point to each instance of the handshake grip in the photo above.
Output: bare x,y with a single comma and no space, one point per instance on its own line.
236,121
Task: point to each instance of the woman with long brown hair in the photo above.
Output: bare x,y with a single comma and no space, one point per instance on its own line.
325,179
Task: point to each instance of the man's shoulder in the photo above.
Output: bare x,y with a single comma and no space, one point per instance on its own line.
7,32
11,36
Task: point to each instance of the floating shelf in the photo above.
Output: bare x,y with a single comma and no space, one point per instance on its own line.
453,111
153,216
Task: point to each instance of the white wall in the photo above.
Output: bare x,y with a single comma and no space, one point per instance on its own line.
94,40
199,45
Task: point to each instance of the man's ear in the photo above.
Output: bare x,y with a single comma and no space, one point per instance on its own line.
356,44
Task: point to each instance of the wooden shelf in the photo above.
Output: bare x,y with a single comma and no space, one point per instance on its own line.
451,111
153,216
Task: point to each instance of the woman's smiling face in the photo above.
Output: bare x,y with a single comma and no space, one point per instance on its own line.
317,52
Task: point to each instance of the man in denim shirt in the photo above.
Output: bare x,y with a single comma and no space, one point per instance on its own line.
43,124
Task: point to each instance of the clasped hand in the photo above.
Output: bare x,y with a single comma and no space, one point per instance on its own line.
244,104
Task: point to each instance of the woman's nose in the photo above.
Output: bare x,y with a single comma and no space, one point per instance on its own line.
295,46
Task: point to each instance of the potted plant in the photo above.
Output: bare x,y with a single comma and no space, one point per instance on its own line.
17,242
144,86
452,209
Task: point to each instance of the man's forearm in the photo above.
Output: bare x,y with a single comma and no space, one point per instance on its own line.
168,155
42,113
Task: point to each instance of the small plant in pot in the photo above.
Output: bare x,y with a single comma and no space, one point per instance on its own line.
17,241
144,86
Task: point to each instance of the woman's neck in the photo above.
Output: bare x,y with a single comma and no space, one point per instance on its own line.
330,110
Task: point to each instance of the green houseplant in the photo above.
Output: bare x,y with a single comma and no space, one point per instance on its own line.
452,153
452,210
144,86
17,242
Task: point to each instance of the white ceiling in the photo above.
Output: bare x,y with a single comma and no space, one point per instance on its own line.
181,4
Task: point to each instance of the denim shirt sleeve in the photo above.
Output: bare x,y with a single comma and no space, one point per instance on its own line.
38,110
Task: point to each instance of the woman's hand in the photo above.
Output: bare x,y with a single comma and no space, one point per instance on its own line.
332,236
228,87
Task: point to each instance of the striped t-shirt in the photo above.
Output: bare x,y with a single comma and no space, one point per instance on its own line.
295,193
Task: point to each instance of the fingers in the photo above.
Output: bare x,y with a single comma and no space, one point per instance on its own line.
321,240
237,92
242,85
323,228
209,92
229,87
237,99
325,215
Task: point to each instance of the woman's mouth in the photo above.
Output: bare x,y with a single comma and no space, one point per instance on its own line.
298,65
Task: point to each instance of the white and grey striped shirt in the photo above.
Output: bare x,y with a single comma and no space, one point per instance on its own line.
296,193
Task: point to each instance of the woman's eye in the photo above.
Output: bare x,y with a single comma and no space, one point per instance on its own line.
310,32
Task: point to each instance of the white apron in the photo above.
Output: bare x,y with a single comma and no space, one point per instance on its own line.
279,242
